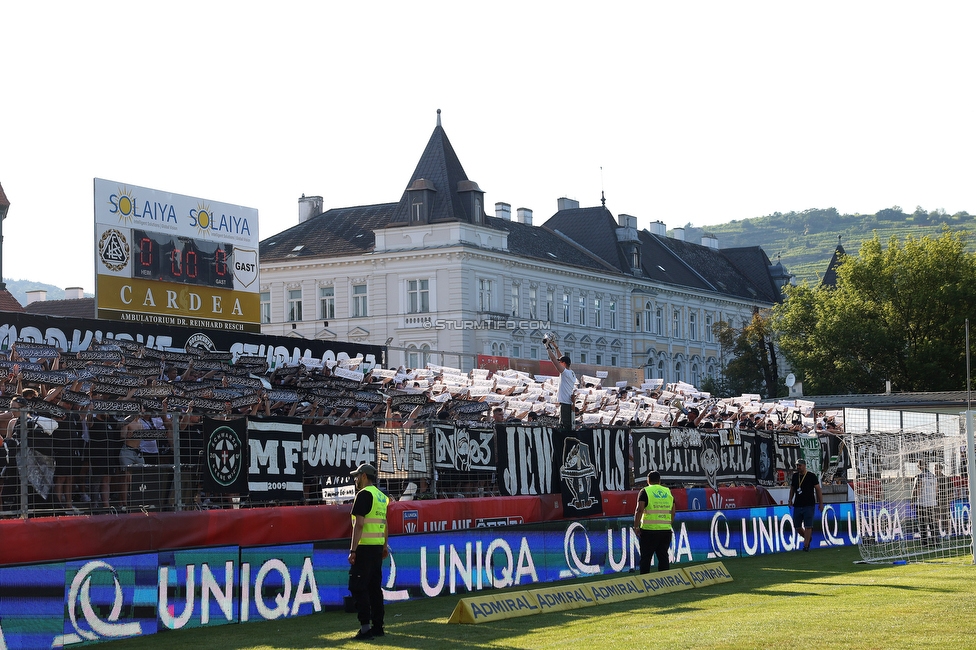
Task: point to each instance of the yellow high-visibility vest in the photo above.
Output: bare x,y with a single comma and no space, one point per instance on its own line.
657,513
374,526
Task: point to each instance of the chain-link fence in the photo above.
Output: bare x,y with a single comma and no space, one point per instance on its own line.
101,463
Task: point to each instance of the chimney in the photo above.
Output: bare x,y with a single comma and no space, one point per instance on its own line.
627,221
37,295
678,233
74,293
563,203
503,211
308,207
658,228
711,241
524,216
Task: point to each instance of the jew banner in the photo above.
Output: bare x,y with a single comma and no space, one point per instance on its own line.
275,467
403,453
525,460
225,467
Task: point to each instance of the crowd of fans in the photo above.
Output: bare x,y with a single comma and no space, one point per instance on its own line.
95,415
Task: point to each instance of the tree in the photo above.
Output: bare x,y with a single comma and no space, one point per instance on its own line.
752,366
897,314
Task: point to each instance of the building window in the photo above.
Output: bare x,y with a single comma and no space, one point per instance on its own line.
648,310
533,352
612,324
484,294
417,213
294,305
360,301
676,325
516,351
599,359
582,357
597,312
418,296
660,370
693,326
695,378
708,329
565,307
677,371
582,310
659,322
533,304
515,300
326,303
265,306
613,359
550,307
413,358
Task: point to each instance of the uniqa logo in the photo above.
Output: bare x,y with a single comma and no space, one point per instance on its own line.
721,536
79,596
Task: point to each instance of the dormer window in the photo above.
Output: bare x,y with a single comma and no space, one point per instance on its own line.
420,198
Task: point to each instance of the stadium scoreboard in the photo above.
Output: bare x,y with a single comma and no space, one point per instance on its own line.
170,259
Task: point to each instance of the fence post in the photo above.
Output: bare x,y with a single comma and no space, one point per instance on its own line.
22,465
177,465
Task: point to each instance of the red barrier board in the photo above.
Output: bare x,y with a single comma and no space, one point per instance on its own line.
49,539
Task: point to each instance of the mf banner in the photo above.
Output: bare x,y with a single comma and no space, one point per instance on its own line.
275,470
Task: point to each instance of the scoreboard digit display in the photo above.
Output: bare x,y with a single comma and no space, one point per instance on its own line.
185,260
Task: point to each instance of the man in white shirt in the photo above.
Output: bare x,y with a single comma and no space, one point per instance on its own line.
567,383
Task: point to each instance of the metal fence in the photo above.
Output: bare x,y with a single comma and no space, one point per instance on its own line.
67,471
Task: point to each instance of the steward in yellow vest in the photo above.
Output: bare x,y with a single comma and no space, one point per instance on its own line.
367,548
652,522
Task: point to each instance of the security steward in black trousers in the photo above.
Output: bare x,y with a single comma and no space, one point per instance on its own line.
367,550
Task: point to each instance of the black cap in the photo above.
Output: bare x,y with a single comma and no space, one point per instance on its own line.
801,462
366,469
565,358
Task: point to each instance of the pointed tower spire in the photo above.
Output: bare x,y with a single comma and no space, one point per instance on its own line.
438,117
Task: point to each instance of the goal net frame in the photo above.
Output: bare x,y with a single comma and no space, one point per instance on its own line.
910,478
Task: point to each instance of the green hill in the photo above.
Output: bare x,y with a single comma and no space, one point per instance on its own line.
805,241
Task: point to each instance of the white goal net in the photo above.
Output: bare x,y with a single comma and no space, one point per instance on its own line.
911,494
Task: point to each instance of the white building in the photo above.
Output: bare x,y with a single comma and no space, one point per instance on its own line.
433,274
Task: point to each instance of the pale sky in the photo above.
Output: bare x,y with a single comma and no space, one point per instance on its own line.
683,112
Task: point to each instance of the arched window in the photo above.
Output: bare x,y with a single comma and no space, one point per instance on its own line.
695,377
648,311
677,371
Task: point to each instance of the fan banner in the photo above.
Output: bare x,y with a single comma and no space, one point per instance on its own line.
225,467
577,474
403,453
765,457
275,467
336,451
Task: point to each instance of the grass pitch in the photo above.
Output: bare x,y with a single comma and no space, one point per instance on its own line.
820,598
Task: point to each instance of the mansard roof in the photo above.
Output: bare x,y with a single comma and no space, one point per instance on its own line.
594,229
334,233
